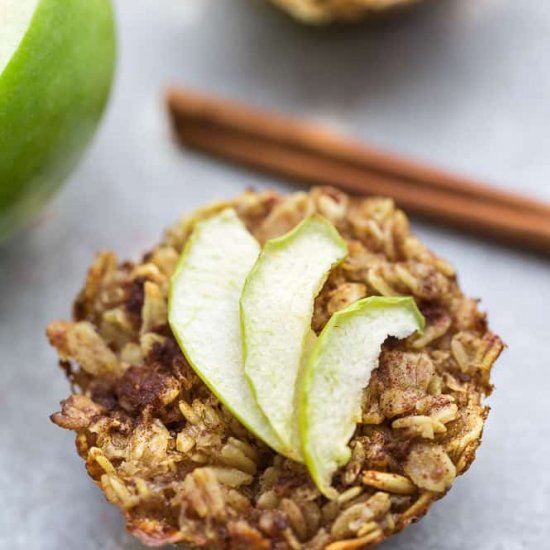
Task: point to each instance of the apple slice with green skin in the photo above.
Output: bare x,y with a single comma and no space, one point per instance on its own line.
204,314
337,371
276,312
56,66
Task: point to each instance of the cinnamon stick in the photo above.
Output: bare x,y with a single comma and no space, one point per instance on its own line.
295,150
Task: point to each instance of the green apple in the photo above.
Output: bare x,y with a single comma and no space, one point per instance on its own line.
276,312
337,371
56,67
204,314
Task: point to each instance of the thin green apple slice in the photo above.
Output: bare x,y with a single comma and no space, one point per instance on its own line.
204,314
336,372
276,311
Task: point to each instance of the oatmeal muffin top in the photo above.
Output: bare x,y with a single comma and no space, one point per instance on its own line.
183,470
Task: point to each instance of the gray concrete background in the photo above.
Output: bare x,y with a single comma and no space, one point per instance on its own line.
462,83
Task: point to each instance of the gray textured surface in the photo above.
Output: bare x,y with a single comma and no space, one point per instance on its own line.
462,83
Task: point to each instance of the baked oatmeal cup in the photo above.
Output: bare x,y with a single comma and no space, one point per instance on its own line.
183,470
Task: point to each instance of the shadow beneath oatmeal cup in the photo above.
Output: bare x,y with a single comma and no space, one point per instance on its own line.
342,66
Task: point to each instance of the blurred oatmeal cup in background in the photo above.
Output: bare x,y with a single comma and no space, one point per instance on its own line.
327,11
